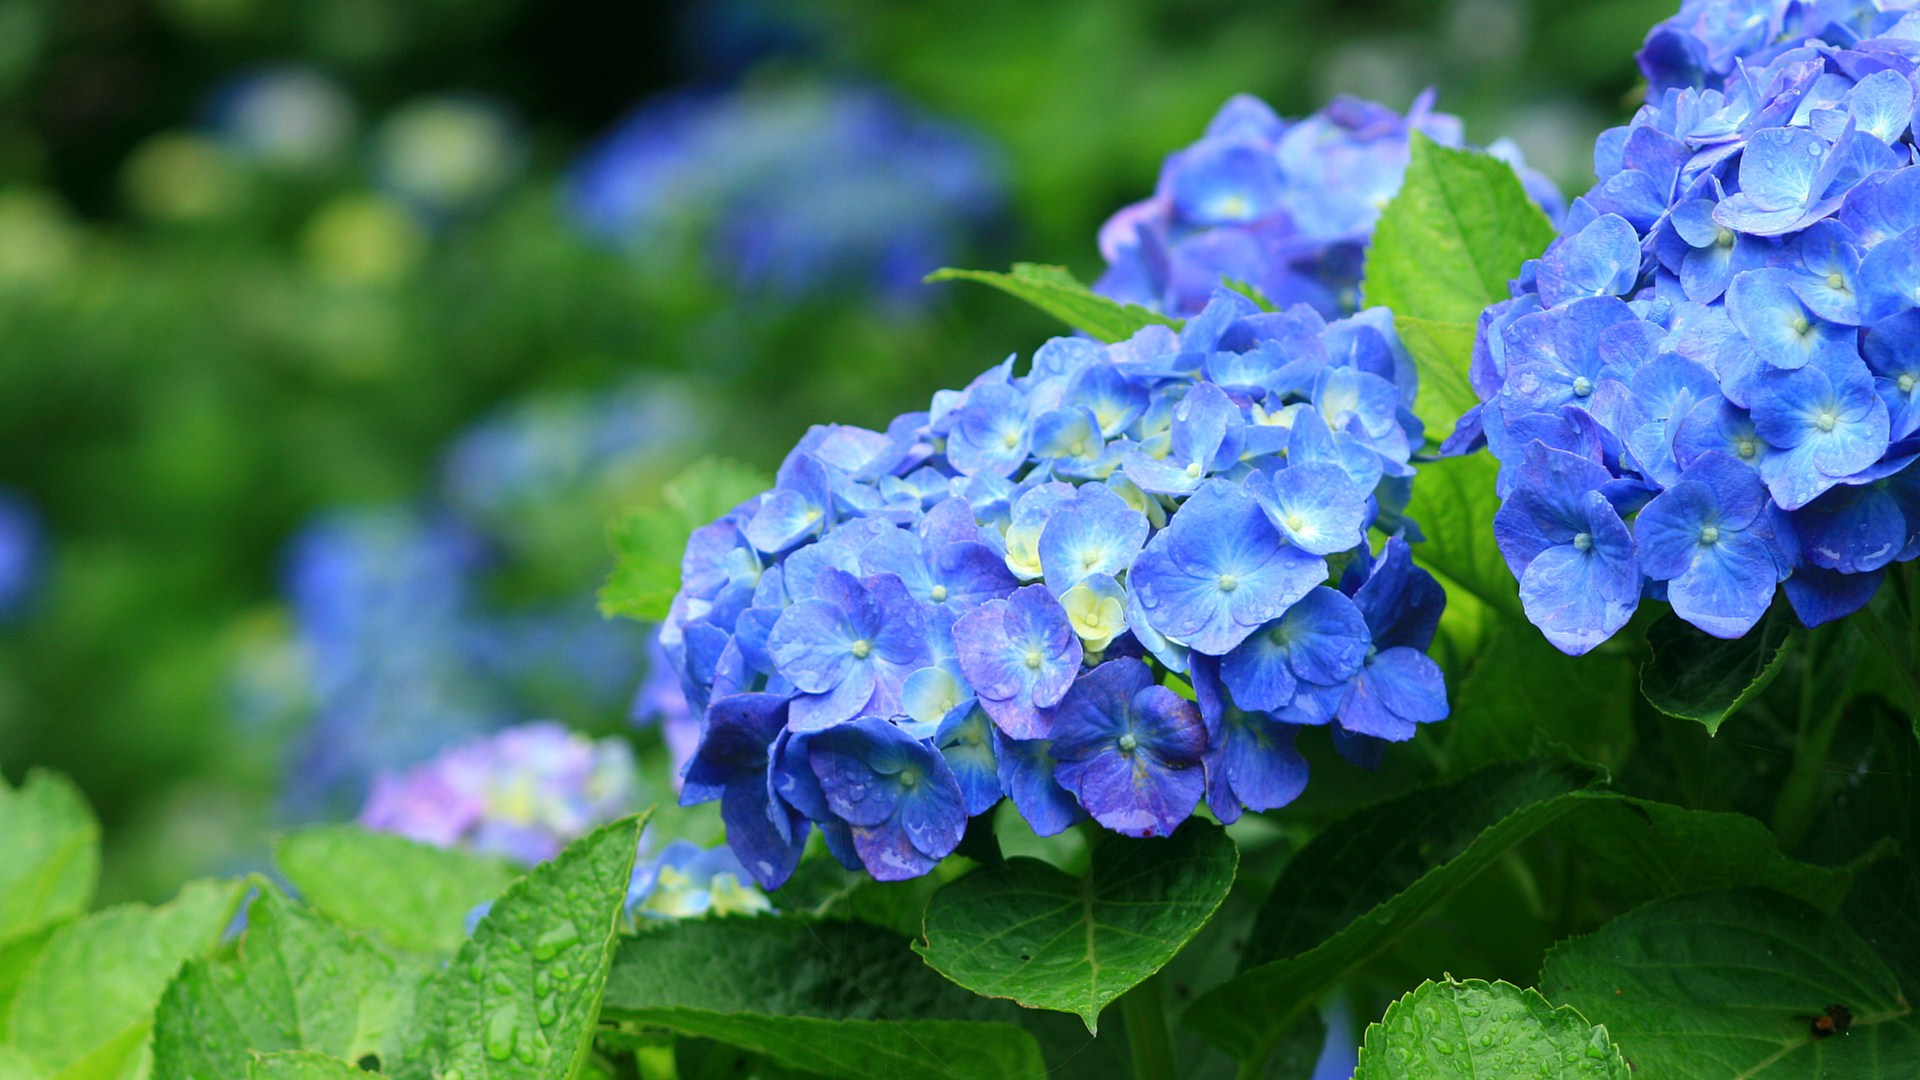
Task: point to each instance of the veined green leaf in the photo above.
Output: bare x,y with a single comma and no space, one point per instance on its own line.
86,1006
1024,930
1442,353
1473,1029
522,997
1454,502
1726,986
411,895
1054,290
1696,676
1457,232
295,983
837,998
1371,877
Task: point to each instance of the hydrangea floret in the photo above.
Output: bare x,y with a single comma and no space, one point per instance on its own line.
1708,389
1286,206
1004,596
523,793
791,191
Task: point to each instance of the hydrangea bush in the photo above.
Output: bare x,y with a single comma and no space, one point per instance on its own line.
1008,707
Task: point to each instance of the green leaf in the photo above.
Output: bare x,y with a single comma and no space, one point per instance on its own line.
411,895
302,1065
1464,1030
296,983
1442,353
1054,290
1512,702
86,1005
522,996
1371,877
837,998
1027,931
1696,676
16,959
1714,986
1457,232
49,854
1454,502
649,543
15,1067
1366,879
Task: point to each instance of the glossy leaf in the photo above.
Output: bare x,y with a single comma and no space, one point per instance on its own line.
1718,986
1025,930
1371,877
1457,232
86,1006
1467,1030
294,983
411,895
1454,503
1512,702
522,996
1054,290
1696,676
302,1065
837,998
1441,353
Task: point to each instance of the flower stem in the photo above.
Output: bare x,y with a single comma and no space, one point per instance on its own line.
1145,1017
1794,810
1887,638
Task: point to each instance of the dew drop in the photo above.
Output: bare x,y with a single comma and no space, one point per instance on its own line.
503,1034
548,945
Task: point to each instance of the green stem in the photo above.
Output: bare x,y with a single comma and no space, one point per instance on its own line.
1145,1017
1796,808
1886,637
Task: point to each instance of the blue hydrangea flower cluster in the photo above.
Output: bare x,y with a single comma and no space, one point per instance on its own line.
20,552
793,191
1285,206
1709,387
986,599
401,646
522,794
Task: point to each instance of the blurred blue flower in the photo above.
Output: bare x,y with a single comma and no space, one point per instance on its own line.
797,191
522,794
289,119
21,552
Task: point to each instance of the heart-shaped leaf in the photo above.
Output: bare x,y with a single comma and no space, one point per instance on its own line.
1025,930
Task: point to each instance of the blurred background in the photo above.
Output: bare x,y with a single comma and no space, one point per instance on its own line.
334,332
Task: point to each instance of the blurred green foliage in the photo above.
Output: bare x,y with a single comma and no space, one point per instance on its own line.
199,349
